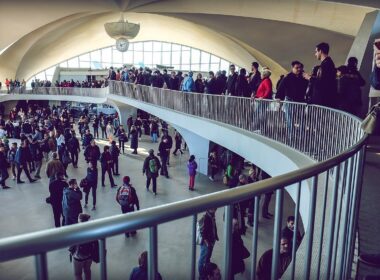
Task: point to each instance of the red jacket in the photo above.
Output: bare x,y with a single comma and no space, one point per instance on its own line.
265,89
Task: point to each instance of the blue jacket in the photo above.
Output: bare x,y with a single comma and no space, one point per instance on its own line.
188,84
71,206
139,273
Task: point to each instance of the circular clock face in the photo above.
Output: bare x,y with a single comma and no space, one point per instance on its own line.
122,45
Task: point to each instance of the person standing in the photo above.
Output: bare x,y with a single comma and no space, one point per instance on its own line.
264,267
150,168
115,153
231,81
254,78
92,184
74,149
56,188
169,138
109,131
134,139
164,150
83,255
141,272
95,126
292,89
127,198
87,139
11,159
209,235
71,206
324,83
92,153
214,165
154,131
122,137
106,164
192,168
3,167
54,166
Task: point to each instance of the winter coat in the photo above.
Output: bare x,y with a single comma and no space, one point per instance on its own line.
134,139
146,169
264,90
192,168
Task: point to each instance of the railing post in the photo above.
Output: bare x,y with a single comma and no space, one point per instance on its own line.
255,236
296,219
103,259
277,233
310,228
228,241
343,248
152,254
41,267
193,247
323,224
332,221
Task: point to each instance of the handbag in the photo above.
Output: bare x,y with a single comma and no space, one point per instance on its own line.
369,124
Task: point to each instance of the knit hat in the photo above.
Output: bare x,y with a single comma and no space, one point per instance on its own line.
151,151
126,180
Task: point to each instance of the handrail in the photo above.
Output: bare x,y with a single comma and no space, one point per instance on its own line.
348,155
53,239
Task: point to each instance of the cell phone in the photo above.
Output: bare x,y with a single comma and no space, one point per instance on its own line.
377,45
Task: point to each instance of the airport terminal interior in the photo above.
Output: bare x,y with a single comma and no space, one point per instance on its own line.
173,139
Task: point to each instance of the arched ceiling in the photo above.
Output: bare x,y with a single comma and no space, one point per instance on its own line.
41,33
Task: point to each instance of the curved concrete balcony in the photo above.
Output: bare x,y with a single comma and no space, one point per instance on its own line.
278,137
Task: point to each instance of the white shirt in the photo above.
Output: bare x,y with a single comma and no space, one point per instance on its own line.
60,140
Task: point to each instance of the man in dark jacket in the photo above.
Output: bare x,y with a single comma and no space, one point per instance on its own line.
127,198
254,78
231,81
173,81
3,167
164,150
264,267
87,138
170,141
150,168
115,153
211,84
292,88
92,153
221,81
324,83
106,163
71,206
21,160
74,149
209,235
92,184
56,188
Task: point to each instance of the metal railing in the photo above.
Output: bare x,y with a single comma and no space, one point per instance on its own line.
317,131
338,177
69,91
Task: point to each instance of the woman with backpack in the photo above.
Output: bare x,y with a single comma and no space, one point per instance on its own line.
127,198
192,168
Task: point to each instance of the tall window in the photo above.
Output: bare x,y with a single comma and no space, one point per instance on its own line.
143,54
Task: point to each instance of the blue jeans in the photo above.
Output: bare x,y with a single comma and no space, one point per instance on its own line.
204,257
154,137
289,118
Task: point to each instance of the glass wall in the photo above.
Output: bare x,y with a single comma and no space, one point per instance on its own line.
143,54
